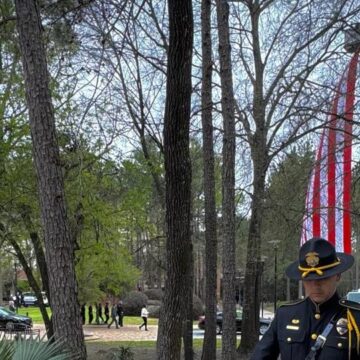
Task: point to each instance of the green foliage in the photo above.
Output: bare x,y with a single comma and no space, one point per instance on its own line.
154,294
123,353
23,285
6,350
30,349
284,209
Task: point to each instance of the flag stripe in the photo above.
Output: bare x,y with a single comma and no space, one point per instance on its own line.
347,151
328,198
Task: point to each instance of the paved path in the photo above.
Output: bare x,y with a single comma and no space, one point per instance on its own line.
127,332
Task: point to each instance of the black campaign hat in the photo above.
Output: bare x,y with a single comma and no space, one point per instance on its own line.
318,260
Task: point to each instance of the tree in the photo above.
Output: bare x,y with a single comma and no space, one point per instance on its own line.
228,183
58,240
209,345
178,179
283,215
284,89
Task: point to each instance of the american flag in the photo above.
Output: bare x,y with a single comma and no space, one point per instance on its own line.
327,208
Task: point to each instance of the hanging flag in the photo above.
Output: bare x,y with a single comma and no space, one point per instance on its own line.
328,200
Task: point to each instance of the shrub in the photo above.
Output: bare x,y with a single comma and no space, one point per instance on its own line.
154,311
154,302
33,349
154,294
198,307
123,353
133,302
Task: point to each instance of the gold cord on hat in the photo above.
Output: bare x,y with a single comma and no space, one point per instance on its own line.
319,270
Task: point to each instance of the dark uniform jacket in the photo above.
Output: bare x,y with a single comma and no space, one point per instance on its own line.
296,327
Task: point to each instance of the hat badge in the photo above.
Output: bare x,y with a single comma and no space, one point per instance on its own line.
312,259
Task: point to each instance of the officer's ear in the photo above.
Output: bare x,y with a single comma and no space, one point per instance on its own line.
338,277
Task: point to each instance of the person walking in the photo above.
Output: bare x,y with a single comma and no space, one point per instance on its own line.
120,312
113,316
321,326
106,312
99,314
90,312
82,312
144,315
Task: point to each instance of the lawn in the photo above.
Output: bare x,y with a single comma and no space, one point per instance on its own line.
34,313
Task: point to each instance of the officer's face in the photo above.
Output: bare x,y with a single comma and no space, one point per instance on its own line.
321,290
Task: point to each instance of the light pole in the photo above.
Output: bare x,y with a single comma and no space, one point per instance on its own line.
275,244
262,262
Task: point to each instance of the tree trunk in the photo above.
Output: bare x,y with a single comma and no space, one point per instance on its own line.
58,241
177,179
260,158
209,345
188,324
228,184
35,286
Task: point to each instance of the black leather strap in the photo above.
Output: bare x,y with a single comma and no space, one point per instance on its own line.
321,339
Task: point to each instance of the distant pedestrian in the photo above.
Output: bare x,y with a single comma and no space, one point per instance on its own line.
82,312
99,314
11,305
120,312
91,316
113,316
144,315
106,312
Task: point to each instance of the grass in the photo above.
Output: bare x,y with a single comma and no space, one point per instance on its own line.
197,343
34,313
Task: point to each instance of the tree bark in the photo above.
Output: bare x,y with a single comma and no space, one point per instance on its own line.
228,184
260,159
58,241
34,285
209,345
177,179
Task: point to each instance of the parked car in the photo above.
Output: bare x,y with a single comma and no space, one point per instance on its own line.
353,296
264,323
12,321
30,299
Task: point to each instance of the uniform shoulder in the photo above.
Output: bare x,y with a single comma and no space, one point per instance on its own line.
352,305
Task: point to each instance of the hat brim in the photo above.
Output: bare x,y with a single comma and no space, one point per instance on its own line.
346,261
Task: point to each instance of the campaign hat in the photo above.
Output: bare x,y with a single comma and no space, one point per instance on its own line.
318,260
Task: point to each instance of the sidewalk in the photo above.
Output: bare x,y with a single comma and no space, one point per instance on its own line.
102,333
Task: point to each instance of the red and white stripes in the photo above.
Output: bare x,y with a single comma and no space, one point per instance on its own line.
327,212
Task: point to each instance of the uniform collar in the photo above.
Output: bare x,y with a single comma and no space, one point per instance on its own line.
331,303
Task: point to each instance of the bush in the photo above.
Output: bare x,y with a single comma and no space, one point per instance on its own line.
33,349
133,302
198,307
154,294
154,310
154,307
154,302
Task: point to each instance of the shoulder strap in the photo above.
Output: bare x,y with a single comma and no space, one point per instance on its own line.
321,339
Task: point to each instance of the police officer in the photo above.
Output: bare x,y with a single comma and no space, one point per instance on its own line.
322,326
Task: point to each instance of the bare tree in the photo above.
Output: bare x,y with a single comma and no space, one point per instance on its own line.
178,178
285,54
228,183
209,346
58,241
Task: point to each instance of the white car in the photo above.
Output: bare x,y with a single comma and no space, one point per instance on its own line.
30,299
